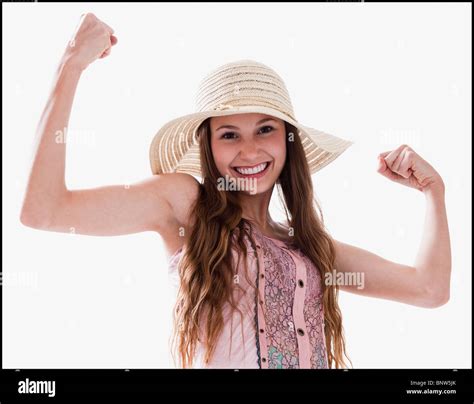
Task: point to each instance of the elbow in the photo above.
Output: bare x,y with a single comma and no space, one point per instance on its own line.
35,221
40,214
438,298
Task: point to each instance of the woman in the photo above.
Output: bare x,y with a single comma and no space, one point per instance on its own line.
279,282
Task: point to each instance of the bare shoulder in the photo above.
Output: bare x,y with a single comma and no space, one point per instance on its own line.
180,191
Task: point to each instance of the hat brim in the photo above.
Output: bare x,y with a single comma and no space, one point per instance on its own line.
175,147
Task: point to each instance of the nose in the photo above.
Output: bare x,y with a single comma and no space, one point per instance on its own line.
249,151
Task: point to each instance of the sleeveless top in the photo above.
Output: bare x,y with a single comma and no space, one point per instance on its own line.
282,324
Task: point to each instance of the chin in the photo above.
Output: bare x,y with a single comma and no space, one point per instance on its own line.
260,189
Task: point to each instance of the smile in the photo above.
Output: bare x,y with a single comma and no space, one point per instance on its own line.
252,172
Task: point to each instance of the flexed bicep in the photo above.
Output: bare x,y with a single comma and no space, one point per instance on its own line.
364,273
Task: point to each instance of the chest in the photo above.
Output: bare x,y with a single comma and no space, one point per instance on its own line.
274,265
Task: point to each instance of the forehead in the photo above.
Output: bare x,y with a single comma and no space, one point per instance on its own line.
239,120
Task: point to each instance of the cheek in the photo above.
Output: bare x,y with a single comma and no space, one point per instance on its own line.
222,157
278,150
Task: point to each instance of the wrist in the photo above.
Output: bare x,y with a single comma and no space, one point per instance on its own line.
435,189
69,65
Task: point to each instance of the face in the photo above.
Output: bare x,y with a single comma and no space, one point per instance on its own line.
249,147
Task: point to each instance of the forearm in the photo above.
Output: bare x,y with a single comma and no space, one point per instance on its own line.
46,183
433,262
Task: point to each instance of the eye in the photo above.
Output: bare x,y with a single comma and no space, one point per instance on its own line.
227,133
267,127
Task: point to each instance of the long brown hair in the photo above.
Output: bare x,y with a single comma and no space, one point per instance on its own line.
206,271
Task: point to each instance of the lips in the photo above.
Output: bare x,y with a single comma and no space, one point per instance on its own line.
251,170
248,171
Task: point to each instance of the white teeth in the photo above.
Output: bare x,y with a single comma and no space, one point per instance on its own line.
253,170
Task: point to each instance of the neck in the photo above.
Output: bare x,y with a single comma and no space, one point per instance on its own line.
255,209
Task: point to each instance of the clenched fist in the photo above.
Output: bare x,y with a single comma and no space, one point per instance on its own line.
92,40
405,166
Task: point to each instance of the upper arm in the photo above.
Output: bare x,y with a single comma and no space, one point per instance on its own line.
149,205
368,274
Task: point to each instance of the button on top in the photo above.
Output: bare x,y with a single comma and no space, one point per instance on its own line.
300,331
300,283
261,330
261,276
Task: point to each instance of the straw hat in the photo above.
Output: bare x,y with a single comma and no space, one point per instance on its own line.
244,86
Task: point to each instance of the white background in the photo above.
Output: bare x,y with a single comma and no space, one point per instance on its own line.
378,74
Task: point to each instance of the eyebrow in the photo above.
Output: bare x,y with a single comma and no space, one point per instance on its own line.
235,127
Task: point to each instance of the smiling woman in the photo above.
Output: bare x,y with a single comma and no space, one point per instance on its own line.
251,292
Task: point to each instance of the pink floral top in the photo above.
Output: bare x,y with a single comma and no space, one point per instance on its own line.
283,326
